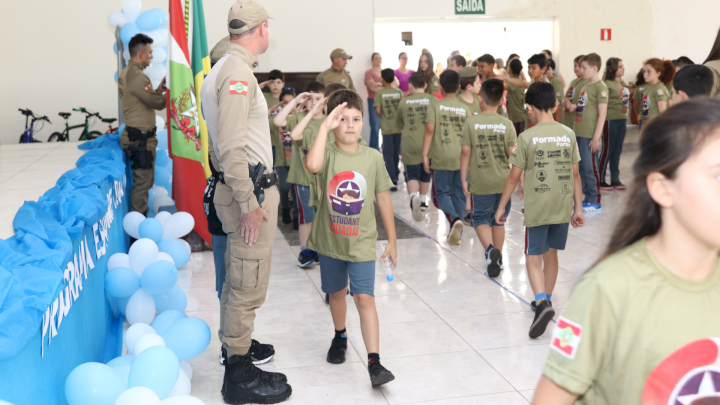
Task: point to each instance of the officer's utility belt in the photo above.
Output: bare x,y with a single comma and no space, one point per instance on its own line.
140,156
261,180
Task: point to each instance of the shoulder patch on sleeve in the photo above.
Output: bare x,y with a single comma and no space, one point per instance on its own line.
515,148
238,87
566,337
148,87
660,92
604,93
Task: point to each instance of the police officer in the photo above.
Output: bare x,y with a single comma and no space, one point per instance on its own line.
337,72
139,101
246,200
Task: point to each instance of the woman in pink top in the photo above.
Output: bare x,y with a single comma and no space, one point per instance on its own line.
373,82
403,73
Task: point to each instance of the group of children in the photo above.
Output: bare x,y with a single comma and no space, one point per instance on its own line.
475,149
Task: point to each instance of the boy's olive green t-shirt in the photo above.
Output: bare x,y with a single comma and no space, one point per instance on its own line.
559,94
276,137
618,100
298,173
271,101
345,227
638,98
547,153
573,92
473,107
651,96
634,332
433,84
587,114
528,123
490,137
516,103
448,115
411,118
388,99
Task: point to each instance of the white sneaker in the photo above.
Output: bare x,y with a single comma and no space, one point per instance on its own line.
455,237
415,205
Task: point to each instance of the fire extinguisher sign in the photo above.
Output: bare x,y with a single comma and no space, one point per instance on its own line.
605,34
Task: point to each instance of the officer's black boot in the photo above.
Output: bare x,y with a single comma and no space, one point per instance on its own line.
244,383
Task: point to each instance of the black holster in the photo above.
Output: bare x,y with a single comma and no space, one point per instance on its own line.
140,156
261,181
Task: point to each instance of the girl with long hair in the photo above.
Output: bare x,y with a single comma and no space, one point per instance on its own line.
658,75
425,65
616,124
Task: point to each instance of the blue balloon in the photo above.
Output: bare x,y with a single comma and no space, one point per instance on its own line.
162,176
187,338
175,299
156,368
161,157
163,321
116,76
149,20
168,187
152,229
121,282
159,277
93,384
122,360
122,304
162,14
176,250
115,48
162,139
128,31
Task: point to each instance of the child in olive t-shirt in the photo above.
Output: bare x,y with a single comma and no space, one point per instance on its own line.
516,97
487,141
441,153
282,153
547,154
558,86
641,326
345,235
537,66
387,100
658,74
411,118
572,94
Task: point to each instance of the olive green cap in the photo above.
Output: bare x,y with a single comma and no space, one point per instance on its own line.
339,53
469,71
219,50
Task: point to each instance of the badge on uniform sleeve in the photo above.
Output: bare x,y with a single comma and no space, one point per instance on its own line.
660,92
238,87
604,93
148,87
566,337
515,148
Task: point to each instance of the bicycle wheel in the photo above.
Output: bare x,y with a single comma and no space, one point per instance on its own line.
55,137
93,134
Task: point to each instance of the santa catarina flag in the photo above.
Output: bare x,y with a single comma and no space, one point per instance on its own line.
200,68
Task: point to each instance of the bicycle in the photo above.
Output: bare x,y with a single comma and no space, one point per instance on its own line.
109,121
85,136
27,135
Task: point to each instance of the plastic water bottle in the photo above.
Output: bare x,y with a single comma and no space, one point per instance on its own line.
385,265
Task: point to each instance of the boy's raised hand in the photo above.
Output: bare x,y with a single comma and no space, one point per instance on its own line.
263,84
333,119
301,98
319,105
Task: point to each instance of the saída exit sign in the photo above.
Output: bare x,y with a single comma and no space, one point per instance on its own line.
469,7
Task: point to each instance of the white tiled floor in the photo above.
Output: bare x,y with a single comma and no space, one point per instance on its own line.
449,333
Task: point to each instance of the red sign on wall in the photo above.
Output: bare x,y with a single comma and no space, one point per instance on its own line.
605,34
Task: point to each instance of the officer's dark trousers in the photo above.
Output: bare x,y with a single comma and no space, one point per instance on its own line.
143,179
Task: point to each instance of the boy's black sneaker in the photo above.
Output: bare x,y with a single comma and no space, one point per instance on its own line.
423,206
543,315
493,262
315,256
468,219
244,383
279,377
261,353
394,187
336,354
605,186
616,185
296,224
533,305
286,219
305,258
379,375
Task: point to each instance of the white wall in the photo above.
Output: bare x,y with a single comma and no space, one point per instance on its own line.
61,58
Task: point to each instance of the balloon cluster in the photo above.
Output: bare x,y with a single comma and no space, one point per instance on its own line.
131,22
159,194
156,370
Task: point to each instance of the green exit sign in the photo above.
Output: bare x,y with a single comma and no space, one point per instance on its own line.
469,7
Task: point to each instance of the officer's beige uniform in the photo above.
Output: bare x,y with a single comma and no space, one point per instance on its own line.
139,101
236,116
333,75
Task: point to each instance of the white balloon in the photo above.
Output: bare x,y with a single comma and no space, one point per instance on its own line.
131,8
118,260
157,72
182,400
157,189
126,53
160,124
131,223
116,19
187,368
178,225
187,245
140,308
123,370
182,386
162,201
159,55
143,252
135,332
165,256
163,216
138,396
163,34
155,83
147,341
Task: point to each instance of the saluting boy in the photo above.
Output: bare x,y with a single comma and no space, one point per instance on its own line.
488,139
388,98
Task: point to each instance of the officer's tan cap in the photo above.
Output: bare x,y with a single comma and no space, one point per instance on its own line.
469,71
339,53
425,50
219,50
250,12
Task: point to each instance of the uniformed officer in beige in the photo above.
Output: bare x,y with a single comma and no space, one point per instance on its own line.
337,72
246,202
139,102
